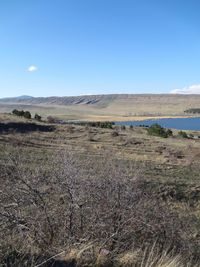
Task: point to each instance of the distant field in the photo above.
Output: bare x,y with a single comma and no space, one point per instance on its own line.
106,107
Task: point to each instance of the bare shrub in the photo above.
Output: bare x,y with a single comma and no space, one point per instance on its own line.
114,133
51,119
70,129
68,200
91,137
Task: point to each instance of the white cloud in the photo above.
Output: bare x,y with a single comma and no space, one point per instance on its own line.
192,89
32,68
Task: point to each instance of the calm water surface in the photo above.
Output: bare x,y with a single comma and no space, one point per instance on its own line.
174,123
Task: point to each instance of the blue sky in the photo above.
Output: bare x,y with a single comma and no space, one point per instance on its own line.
76,47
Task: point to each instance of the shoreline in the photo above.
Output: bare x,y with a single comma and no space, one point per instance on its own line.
135,118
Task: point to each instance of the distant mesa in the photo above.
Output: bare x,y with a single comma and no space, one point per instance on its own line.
112,100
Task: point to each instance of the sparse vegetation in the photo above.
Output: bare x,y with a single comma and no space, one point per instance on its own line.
98,203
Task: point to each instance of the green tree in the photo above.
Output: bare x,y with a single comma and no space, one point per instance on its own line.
27,115
15,112
21,113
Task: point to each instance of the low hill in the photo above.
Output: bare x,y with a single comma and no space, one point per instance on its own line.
105,107
65,100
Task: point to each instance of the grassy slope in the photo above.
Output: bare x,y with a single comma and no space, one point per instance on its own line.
132,144
166,159
111,107
170,162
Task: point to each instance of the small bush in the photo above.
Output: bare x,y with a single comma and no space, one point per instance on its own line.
182,134
37,117
51,119
115,133
169,132
157,130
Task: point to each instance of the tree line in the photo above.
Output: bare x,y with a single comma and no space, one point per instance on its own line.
98,124
26,114
193,110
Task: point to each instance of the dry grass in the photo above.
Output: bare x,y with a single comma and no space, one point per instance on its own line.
55,173
89,256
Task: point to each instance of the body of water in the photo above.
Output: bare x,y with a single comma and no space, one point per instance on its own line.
172,123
